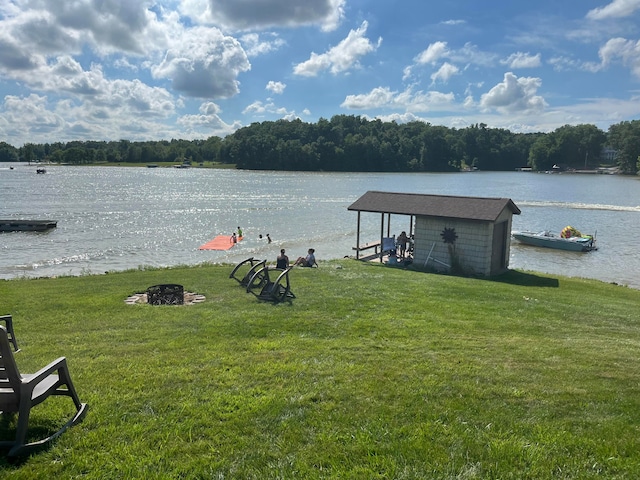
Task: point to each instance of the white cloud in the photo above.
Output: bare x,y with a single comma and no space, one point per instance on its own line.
340,58
378,97
31,111
627,51
256,107
561,63
444,73
109,26
200,62
205,64
125,64
454,22
400,118
110,69
433,53
429,101
207,123
514,94
261,109
522,60
255,46
383,97
616,9
66,77
251,14
276,87
469,54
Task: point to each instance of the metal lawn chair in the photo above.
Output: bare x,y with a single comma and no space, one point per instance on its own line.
273,290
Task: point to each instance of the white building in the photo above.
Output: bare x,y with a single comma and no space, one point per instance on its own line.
467,235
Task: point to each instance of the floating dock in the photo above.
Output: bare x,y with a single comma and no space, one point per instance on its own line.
27,225
221,242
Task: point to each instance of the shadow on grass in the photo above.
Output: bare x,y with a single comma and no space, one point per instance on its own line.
7,434
525,279
512,277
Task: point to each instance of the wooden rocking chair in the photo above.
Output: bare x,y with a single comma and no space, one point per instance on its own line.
20,393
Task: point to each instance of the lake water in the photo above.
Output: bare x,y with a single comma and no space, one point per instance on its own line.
118,218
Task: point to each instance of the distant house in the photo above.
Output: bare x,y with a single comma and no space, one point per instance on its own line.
608,155
469,235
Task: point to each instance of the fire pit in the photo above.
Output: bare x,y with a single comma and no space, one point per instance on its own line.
167,294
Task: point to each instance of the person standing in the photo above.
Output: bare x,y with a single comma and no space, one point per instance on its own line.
401,242
239,232
282,262
234,239
268,238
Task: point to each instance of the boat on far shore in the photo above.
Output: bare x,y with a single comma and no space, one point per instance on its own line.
569,239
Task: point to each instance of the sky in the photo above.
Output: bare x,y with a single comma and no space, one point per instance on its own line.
191,69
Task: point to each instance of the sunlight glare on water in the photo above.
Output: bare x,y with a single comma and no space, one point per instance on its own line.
118,218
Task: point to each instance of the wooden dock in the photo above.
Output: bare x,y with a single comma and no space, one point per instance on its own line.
27,225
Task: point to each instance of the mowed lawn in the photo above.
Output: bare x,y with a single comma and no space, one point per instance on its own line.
370,372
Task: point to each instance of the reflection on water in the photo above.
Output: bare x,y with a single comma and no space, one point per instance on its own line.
117,218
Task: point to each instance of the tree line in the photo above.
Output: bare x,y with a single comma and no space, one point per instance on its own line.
354,143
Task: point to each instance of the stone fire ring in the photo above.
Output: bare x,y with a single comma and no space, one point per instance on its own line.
190,298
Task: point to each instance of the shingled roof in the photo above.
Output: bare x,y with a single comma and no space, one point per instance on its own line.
446,206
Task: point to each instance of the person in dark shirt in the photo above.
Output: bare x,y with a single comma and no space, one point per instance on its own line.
401,242
282,261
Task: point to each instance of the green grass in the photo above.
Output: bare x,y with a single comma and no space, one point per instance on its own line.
371,372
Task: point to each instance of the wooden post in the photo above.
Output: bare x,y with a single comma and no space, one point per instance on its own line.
411,239
381,234
358,238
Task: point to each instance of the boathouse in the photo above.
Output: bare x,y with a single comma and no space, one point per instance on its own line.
468,235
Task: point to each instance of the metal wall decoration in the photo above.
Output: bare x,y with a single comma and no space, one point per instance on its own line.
449,235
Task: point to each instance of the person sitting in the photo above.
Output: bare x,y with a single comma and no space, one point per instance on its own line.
282,262
308,261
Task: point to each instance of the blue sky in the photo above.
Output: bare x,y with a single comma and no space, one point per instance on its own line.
150,70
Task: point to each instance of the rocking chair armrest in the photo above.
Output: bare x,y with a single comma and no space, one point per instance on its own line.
34,379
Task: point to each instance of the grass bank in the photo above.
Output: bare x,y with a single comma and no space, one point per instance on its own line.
371,372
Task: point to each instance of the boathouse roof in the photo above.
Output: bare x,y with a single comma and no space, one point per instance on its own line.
469,208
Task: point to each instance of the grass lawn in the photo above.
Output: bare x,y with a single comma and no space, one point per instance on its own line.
371,372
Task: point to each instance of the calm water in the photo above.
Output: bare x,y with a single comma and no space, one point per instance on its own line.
117,218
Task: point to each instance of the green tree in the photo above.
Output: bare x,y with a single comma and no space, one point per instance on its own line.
625,138
75,156
8,153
